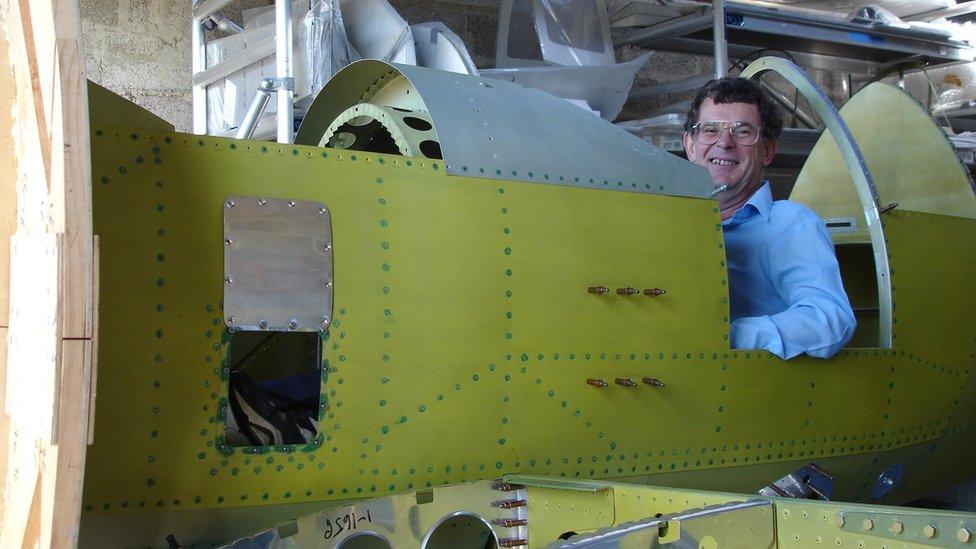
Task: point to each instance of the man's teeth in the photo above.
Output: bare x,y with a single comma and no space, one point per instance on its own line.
721,162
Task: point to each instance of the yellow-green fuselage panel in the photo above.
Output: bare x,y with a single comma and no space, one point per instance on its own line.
463,336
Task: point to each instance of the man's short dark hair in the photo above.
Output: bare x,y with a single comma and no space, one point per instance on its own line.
738,90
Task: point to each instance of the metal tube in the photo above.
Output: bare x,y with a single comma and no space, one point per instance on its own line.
718,40
778,96
686,24
254,110
283,70
234,63
206,8
198,60
226,24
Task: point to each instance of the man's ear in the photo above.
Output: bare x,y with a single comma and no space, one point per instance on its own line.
689,144
769,152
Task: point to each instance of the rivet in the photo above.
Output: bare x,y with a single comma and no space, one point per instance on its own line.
328,283
292,324
228,280
291,203
867,524
653,381
325,320
263,324
897,527
839,520
228,241
964,535
231,319
230,203
322,210
929,531
328,247
598,290
262,202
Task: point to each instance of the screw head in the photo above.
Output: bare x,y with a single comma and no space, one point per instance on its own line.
322,210
291,203
231,319
228,280
839,520
292,324
263,324
262,202
229,203
867,524
228,241
964,535
897,527
325,320
929,531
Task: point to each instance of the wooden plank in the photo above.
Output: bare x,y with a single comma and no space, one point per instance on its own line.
77,286
76,361
8,178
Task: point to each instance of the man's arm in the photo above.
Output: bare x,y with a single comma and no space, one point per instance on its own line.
803,268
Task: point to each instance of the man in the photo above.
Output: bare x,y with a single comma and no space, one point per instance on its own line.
786,292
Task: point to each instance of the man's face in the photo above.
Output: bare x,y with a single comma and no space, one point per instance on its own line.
730,163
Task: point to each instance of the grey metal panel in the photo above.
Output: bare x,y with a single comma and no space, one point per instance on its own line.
496,129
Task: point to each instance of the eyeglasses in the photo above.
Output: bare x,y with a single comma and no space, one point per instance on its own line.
708,132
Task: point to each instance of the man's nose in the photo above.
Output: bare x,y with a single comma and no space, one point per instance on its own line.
725,140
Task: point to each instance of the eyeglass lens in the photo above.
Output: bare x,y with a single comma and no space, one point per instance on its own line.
710,131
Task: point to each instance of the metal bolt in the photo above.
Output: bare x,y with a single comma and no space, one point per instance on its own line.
328,283
322,210
627,291
292,324
598,290
897,527
230,203
839,520
228,241
328,247
867,524
596,382
263,324
228,280
509,503
653,381
231,319
929,531
262,202
624,382
964,535
654,292
325,320
510,522
512,542
291,203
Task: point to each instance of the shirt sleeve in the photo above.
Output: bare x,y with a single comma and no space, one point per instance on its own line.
803,269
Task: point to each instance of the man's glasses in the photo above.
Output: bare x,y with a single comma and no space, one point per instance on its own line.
708,132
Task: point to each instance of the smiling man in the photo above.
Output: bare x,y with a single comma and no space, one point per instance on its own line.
786,291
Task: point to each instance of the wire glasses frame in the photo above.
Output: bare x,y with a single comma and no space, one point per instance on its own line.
708,132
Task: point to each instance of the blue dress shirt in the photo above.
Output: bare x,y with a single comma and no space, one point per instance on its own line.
786,292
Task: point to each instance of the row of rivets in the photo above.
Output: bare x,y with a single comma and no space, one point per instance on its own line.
649,292
964,535
624,382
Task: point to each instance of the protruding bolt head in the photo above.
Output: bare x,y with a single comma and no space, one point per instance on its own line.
322,210
324,321
839,520
598,290
228,280
627,291
228,241
292,324
929,531
229,203
291,203
867,524
897,527
262,202
964,535
231,319
263,324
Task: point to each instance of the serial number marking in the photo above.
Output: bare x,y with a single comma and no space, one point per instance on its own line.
344,523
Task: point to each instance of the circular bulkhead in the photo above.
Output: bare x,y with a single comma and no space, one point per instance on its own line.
460,530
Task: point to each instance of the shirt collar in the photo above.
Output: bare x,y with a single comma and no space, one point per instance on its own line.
761,202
